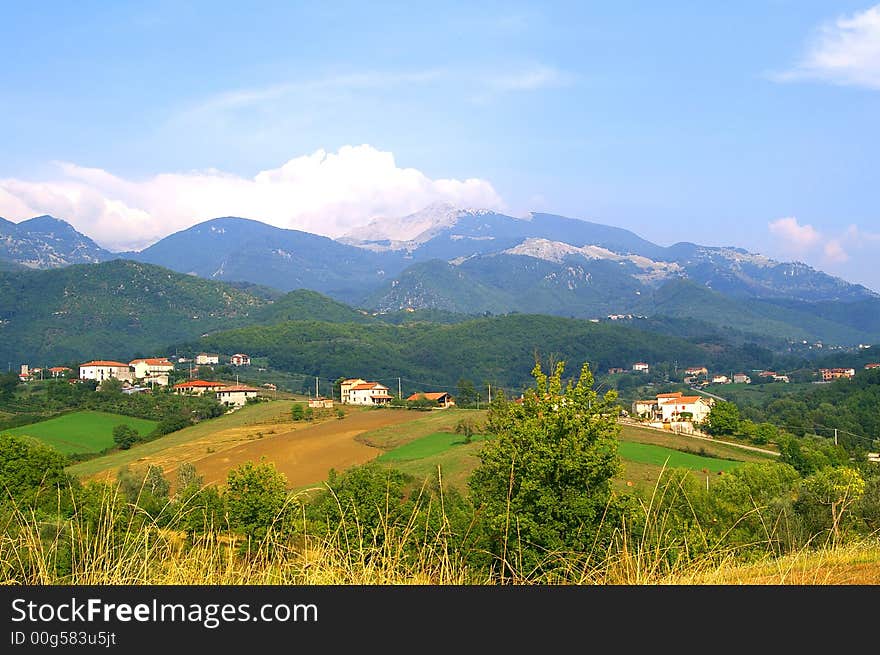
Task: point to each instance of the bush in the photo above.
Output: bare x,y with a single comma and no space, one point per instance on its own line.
125,436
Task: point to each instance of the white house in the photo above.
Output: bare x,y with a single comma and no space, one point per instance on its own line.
694,408
101,369
236,395
720,379
645,408
641,367
207,358
369,393
152,369
741,378
240,359
345,388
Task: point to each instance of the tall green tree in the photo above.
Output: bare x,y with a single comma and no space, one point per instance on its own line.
256,499
543,485
723,419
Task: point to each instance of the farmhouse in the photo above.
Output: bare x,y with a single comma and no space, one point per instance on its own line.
615,369
345,388
694,408
60,371
741,378
321,403
440,398
236,395
720,379
642,367
240,359
696,370
868,367
102,369
152,370
198,387
369,393
828,374
207,358
645,408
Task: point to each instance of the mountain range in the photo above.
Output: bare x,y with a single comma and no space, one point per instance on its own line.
480,262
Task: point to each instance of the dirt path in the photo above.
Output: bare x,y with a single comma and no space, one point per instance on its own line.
304,453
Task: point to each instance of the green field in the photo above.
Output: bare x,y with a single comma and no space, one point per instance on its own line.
428,446
660,456
82,432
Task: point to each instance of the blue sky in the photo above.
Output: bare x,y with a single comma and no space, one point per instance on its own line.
751,124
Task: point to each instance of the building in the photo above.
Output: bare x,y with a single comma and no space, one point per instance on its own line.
741,378
767,374
369,393
440,398
240,359
781,378
207,358
868,367
696,370
321,403
345,388
152,370
828,374
102,369
642,367
646,409
692,408
236,395
60,371
615,369
720,379
198,387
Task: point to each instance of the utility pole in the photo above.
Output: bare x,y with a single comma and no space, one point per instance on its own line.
835,436
490,394
399,392
317,395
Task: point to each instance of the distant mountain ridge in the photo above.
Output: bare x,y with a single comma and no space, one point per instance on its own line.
47,242
478,261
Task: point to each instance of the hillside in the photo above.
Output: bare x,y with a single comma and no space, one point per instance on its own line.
500,350
111,310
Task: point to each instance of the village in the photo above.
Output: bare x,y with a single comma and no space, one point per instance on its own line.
142,375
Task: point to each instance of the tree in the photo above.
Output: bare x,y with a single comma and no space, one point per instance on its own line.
125,436
29,470
8,383
256,497
723,419
835,489
543,485
467,427
467,393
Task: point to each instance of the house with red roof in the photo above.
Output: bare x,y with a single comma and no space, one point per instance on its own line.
104,369
236,395
198,387
439,398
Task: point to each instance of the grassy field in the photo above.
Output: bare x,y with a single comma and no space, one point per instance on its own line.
659,456
259,414
422,425
427,446
82,432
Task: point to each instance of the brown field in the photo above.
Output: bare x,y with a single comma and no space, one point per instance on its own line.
305,452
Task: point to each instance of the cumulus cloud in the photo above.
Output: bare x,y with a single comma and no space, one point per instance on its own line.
794,236
845,51
806,242
324,193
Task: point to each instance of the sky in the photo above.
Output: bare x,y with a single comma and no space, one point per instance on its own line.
750,124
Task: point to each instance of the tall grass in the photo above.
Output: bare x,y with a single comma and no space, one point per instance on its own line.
115,543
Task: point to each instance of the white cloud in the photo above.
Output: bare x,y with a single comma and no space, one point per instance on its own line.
325,193
809,244
845,51
794,236
530,79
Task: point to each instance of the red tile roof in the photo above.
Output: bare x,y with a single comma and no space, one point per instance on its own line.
368,385
160,361
677,394
104,362
238,387
199,384
432,395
